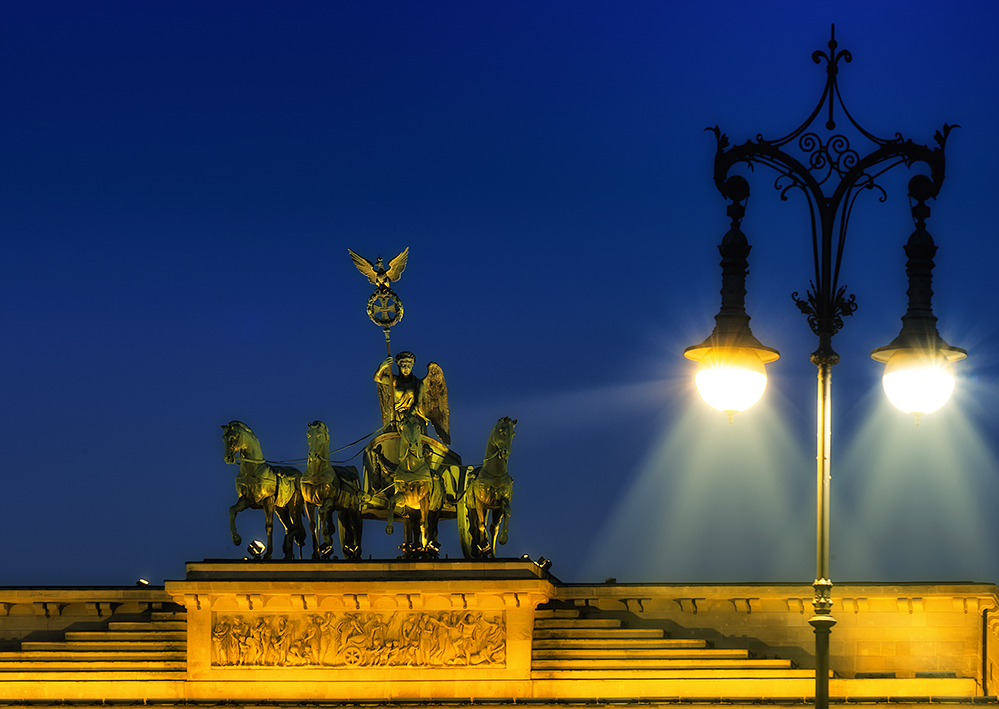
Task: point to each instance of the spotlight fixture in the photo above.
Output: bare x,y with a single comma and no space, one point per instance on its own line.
256,549
142,582
543,563
526,557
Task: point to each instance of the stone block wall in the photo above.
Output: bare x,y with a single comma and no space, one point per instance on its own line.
906,629
46,613
889,640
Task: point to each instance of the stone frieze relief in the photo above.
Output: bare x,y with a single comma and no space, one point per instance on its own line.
441,639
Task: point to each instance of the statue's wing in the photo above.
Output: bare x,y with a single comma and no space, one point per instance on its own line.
366,267
435,402
386,403
397,265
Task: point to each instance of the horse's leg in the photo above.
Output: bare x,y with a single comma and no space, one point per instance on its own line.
473,527
268,505
434,515
326,515
389,526
505,505
355,523
286,515
312,515
481,511
491,527
425,520
241,504
410,535
347,510
297,511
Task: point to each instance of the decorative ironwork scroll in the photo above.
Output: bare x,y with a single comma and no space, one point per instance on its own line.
807,162
358,639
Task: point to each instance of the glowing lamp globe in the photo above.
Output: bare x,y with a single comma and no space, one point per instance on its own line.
919,376
918,382
730,373
731,379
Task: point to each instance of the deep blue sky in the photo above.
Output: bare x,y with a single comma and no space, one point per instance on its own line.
179,183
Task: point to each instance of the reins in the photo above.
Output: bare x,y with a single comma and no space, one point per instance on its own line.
301,460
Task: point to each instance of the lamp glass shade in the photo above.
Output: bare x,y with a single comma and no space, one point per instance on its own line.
731,379
918,382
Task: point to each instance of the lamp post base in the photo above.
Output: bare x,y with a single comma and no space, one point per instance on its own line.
823,626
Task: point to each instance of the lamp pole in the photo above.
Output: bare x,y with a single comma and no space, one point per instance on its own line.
823,164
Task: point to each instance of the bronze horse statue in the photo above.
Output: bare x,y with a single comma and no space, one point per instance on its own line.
417,488
327,488
260,485
488,491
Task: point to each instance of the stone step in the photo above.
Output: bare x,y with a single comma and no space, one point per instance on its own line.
560,613
617,643
93,666
90,656
625,654
746,666
577,623
157,616
118,646
168,680
659,674
597,633
127,625
111,636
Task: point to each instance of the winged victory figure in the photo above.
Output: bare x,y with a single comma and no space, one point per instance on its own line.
426,398
376,272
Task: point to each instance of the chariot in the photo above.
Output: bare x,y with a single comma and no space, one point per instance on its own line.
388,468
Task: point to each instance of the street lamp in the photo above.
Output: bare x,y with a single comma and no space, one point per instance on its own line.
731,374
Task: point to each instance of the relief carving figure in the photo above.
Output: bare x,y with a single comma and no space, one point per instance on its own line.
256,642
356,639
329,634
309,642
220,641
281,638
489,643
238,632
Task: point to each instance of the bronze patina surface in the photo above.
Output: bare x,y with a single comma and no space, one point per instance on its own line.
260,485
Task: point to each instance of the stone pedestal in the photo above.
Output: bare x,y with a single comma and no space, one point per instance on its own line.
374,629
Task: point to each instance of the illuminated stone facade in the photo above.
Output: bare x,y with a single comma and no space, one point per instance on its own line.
459,632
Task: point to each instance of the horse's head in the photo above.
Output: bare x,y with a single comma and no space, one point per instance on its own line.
319,438
410,429
410,432
234,436
501,438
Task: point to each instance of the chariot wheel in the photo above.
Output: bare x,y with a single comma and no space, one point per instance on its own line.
352,656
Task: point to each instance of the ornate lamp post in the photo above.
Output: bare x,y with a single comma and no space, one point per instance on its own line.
731,374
